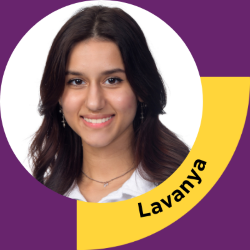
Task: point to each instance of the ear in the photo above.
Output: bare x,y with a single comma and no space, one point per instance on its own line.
140,100
60,101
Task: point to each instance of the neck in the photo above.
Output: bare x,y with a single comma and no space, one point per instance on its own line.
109,162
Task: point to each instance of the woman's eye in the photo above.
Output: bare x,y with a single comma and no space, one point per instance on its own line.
76,82
113,80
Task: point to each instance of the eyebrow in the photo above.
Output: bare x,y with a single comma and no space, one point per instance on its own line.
107,72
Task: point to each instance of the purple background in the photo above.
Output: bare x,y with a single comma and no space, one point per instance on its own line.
218,35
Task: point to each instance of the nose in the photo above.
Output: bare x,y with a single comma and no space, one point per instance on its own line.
95,100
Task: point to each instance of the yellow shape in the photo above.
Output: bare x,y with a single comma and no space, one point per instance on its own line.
225,104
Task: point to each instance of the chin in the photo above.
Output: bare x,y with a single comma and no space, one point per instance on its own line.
97,142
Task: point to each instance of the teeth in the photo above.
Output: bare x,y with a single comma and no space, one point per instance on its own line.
97,120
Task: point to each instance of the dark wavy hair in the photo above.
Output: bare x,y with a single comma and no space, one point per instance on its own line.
56,152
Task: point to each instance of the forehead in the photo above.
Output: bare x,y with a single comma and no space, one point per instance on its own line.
95,55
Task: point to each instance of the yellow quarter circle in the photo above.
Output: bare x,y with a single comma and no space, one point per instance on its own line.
225,105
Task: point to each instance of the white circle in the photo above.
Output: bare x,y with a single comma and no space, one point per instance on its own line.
22,76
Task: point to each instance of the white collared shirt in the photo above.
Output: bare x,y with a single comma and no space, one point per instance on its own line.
133,187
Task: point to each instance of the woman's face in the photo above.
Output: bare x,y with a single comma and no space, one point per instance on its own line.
98,102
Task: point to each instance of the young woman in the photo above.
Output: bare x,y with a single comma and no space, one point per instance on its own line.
101,139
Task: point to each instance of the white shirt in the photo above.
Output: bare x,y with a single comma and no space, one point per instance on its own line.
133,187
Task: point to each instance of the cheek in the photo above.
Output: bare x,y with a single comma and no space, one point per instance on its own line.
125,103
71,102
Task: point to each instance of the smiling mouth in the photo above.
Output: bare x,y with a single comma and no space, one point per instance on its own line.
98,121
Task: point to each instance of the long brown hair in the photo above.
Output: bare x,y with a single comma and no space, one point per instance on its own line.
56,152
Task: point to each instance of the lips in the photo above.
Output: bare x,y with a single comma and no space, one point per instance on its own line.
97,121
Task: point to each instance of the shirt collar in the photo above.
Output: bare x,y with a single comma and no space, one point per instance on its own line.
133,187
